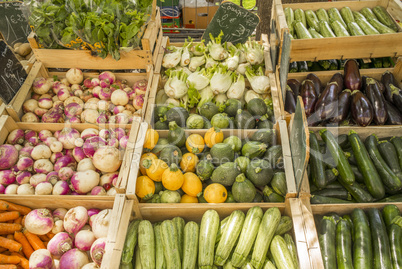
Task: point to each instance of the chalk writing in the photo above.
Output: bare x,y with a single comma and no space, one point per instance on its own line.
13,25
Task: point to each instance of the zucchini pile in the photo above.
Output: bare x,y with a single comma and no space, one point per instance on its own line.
324,65
347,169
370,239
334,23
256,240
347,99
211,168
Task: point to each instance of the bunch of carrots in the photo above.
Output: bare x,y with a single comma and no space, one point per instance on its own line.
16,243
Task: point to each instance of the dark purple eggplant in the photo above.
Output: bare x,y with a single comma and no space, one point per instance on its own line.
388,78
316,81
361,109
338,78
394,116
327,103
373,93
380,86
352,78
396,95
309,96
342,112
290,101
295,85
364,84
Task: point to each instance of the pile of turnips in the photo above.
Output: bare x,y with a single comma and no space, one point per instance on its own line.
103,99
62,163
79,239
200,73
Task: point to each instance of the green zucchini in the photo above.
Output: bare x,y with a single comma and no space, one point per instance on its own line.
312,20
397,142
350,223
343,245
392,199
340,193
318,199
395,242
247,236
146,243
284,226
362,64
387,62
170,245
333,64
293,67
371,178
377,62
347,15
278,183
362,247
357,15
350,156
229,237
138,264
314,33
302,66
283,258
179,223
130,242
301,30
326,64
325,29
368,13
359,193
271,196
331,175
208,230
334,185
327,239
383,16
390,156
335,15
381,250
339,28
300,16
355,29
220,230
292,249
367,28
159,256
317,165
389,213
383,29
388,177
126,266
290,17
190,245
268,265
322,15
358,175
266,231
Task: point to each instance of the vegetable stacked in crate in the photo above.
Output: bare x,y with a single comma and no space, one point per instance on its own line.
73,99
348,169
211,168
207,79
307,24
347,98
256,240
362,239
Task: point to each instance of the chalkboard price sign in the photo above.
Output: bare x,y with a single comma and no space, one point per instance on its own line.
12,73
13,25
236,23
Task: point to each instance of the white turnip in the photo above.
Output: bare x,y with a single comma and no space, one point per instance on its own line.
41,258
74,76
107,159
84,182
25,189
41,152
39,221
75,219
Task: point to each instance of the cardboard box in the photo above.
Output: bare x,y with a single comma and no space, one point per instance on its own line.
199,17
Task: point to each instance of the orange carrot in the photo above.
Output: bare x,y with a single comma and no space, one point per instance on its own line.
24,262
43,238
10,236
8,266
26,247
11,215
34,240
2,249
4,205
4,259
50,235
18,220
23,221
14,207
10,244
9,228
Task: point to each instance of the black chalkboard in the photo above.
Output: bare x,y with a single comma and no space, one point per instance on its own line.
13,25
12,74
236,23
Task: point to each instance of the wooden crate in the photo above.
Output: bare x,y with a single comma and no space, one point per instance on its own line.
283,138
325,77
14,109
356,47
116,204
7,124
310,211
135,59
193,212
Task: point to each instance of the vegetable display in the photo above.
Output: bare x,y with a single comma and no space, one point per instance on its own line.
61,163
347,169
211,168
103,29
347,99
73,99
255,240
214,84
307,24
362,239
41,238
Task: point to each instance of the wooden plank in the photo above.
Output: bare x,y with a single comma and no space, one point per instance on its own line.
267,54
287,161
151,101
276,98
